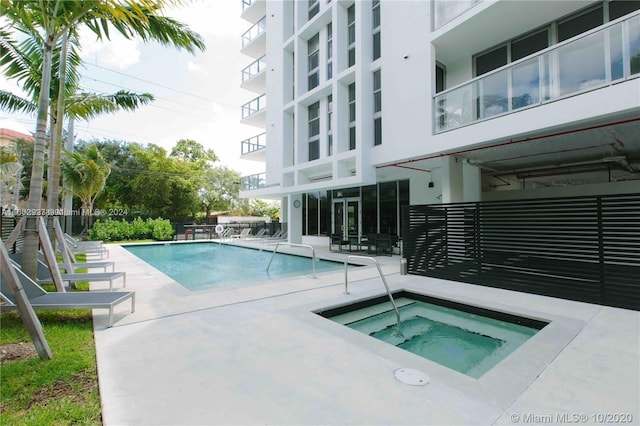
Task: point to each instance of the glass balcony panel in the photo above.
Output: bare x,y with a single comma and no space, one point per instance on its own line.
254,32
617,60
251,182
447,10
453,108
525,83
581,64
493,94
254,144
254,106
573,67
634,44
254,68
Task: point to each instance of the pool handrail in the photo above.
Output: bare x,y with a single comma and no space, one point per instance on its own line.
384,281
313,255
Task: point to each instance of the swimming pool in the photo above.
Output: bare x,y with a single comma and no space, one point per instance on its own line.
464,338
200,266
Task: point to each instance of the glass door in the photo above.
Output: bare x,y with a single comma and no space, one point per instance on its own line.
346,216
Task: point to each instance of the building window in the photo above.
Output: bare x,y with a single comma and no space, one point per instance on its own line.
314,8
618,8
440,78
376,29
293,75
491,60
580,24
351,38
352,116
329,125
314,131
313,62
329,51
377,108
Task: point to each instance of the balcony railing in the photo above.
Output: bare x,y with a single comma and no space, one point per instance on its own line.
446,10
254,68
254,144
256,105
254,32
591,60
246,4
257,181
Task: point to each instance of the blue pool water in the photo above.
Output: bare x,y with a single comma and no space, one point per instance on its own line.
200,266
466,342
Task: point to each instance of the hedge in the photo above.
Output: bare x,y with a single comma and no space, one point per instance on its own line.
138,229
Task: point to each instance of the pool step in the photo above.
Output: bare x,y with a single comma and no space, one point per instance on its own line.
371,311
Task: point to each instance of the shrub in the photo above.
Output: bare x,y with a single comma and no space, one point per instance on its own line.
161,229
140,229
111,230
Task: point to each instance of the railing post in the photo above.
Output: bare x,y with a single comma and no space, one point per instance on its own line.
313,255
384,281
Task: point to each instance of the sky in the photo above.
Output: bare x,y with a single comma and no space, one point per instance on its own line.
197,96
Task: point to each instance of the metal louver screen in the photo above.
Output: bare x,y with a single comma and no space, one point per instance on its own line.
578,248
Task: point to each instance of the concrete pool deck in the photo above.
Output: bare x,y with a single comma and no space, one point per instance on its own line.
258,355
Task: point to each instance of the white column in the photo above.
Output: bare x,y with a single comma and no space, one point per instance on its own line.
294,225
472,178
452,181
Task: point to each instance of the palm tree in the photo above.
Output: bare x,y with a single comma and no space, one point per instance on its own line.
87,173
51,20
65,100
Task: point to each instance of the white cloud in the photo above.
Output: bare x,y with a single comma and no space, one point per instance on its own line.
196,69
117,52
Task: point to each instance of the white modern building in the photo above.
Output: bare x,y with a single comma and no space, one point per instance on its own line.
362,107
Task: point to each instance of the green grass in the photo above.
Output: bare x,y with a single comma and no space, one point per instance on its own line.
59,391
62,390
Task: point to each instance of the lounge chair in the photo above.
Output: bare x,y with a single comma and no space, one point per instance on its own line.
74,264
243,234
261,233
227,233
276,235
41,299
70,264
44,274
86,247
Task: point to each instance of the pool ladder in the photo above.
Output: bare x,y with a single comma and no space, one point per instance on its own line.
384,281
313,255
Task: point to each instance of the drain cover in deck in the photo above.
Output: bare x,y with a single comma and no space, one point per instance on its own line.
412,377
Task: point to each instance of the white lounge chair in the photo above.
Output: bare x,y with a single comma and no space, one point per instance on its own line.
243,234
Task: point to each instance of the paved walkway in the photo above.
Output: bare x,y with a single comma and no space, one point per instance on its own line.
258,355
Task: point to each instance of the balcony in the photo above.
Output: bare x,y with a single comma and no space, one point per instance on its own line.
445,11
253,182
252,10
254,40
254,76
590,61
253,112
254,148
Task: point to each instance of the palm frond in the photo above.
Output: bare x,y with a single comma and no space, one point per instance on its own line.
14,103
87,105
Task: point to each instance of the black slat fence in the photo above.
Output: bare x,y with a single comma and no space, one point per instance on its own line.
578,248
